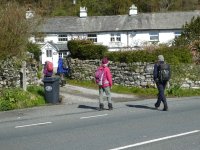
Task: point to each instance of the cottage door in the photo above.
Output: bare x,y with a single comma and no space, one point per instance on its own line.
49,55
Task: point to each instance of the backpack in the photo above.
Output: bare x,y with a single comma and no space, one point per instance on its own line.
163,72
65,63
49,66
99,73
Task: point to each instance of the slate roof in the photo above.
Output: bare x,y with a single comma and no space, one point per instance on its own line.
57,46
62,46
141,21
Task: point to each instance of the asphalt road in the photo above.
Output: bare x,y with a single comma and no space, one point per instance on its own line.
131,125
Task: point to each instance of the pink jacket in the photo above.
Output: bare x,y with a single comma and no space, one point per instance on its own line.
107,78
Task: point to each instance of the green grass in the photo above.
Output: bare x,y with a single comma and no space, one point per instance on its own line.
16,98
174,91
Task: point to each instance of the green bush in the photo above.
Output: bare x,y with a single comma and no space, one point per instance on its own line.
84,49
172,55
34,49
16,98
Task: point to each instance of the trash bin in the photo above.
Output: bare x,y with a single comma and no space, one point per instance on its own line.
51,90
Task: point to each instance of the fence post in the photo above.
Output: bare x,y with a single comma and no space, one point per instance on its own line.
23,71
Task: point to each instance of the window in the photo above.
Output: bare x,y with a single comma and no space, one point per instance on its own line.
92,37
154,36
49,53
60,55
177,34
62,37
39,39
115,37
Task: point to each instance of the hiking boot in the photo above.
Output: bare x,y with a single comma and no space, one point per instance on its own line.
165,109
165,106
110,107
101,107
156,106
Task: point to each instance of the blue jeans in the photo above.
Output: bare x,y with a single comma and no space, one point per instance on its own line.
107,92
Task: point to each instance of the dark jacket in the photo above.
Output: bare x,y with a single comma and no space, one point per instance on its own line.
156,71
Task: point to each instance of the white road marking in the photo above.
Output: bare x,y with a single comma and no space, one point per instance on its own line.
36,124
155,140
94,116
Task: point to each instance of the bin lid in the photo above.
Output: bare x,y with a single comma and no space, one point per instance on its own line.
50,79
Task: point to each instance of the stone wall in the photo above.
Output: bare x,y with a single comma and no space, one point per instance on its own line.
11,75
134,74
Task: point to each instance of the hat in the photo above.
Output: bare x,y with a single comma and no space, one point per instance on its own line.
105,60
160,58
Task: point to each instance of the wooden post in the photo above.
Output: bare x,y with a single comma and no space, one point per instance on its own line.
23,71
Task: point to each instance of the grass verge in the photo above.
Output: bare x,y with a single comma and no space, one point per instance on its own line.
173,91
16,98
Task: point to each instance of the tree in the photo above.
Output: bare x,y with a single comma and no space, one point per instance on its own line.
190,37
35,50
14,30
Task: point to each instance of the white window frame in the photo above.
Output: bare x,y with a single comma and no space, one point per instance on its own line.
62,37
115,37
39,39
62,54
92,37
49,53
153,36
177,34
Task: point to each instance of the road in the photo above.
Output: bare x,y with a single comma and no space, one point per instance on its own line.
131,125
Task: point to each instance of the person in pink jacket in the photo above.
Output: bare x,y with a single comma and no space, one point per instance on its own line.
106,85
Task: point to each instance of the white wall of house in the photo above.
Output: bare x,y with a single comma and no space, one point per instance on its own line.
166,36
128,40
51,38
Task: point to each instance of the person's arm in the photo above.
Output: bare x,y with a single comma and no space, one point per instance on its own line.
109,77
155,73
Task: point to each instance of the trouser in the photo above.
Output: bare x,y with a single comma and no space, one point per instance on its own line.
107,92
62,78
161,94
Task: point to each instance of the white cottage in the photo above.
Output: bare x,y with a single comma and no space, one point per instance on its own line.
120,32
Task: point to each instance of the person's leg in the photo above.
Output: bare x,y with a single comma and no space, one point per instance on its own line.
164,98
157,104
108,95
101,106
62,79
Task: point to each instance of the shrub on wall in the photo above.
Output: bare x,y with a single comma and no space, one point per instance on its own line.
172,55
84,49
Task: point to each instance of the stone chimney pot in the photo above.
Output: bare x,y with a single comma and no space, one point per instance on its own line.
133,10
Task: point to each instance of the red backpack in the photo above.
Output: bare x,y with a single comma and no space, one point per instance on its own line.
49,66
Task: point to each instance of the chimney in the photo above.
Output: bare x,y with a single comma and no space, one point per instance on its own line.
74,2
133,10
83,12
29,14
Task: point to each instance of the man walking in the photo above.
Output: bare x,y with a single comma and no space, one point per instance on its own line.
161,75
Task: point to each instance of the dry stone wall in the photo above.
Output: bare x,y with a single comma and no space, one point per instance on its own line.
11,76
135,74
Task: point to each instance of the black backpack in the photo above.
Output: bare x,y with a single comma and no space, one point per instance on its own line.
164,72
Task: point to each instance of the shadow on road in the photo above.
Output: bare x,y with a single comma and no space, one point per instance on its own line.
141,107
88,107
